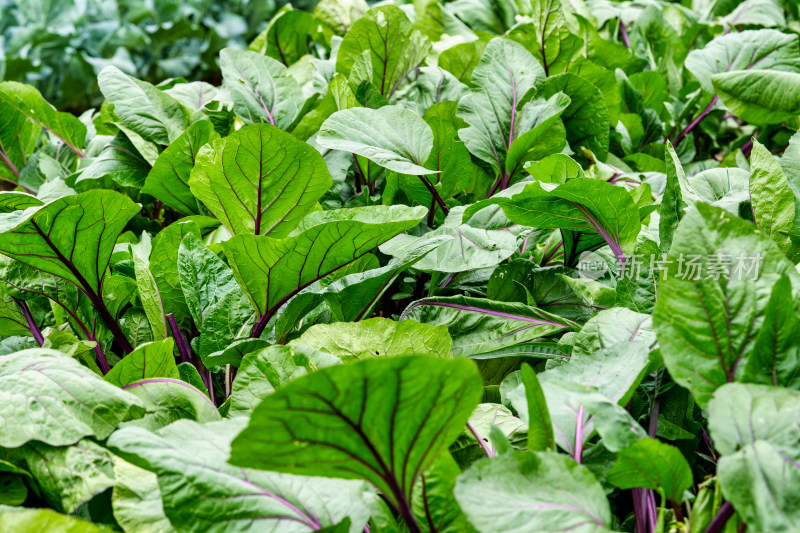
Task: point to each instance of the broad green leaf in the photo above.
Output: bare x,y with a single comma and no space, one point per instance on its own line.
69,476
136,500
467,246
651,464
72,237
260,88
540,428
323,243
164,265
604,211
384,420
393,45
478,325
169,399
26,101
26,519
494,109
768,49
378,337
774,359
610,327
50,397
147,111
216,303
285,38
586,118
153,360
13,201
758,468
168,180
532,492
203,493
17,140
340,15
707,316
119,162
539,132
259,374
476,441
771,198
759,96
150,298
259,180
12,322
461,59
391,136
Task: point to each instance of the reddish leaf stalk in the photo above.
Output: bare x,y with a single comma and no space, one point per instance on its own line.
579,436
435,194
484,445
184,349
37,334
624,32
697,121
722,517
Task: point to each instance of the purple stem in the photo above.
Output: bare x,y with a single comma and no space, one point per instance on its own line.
484,445
579,436
697,121
551,253
722,517
435,194
37,334
484,311
747,148
183,347
624,33
448,280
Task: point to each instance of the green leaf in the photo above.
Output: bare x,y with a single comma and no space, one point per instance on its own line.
260,180
774,359
378,337
153,360
478,325
759,96
216,303
24,519
50,397
433,503
168,180
505,74
532,492
383,420
771,198
677,196
150,298
26,101
705,326
391,136
168,400
324,242
736,51
610,327
203,493
119,161
651,464
72,237
394,47
136,500
260,87
758,468
586,118
164,266
285,38
69,476
150,113
603,210
540,428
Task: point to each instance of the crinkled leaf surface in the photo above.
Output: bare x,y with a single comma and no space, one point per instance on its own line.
50,397
202,492
532,492
152,360
378,337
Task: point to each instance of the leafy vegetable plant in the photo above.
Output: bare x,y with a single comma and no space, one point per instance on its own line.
441,266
